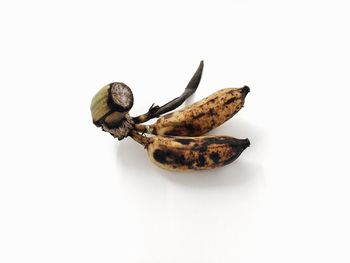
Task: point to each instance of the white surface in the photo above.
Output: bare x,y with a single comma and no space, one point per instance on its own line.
70,193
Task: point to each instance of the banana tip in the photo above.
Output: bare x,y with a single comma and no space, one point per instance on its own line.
247,142
245,90
243,144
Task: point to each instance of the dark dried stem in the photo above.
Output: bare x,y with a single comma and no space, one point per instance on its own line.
141,128
143,140
156,111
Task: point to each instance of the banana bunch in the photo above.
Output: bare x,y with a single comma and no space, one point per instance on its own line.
176,140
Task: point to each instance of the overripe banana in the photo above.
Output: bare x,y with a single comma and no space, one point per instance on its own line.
202,116
196,153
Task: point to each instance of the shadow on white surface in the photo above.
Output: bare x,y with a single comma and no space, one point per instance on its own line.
133,158
237,174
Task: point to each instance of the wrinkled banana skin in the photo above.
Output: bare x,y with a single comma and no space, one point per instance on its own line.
197,153
202,116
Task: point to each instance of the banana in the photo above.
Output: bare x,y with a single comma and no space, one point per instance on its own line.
196,153
202,116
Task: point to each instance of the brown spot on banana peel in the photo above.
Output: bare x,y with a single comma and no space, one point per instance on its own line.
215,157
196,153
202,116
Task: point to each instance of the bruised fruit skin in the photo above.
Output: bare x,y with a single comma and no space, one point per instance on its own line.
196,153
202,116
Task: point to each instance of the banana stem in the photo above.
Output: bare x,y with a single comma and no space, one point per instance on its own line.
156,111
143,140
141,128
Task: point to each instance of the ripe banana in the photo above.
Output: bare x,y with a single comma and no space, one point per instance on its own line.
202,116
196,153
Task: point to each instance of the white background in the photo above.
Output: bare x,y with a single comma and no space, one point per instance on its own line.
71,193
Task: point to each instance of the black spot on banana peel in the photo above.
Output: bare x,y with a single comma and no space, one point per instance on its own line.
202,116
196,153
